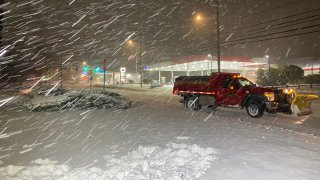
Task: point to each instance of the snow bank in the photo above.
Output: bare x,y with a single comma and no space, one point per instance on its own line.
77,100
174,162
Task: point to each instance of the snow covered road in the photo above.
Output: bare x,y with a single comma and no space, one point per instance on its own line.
239,148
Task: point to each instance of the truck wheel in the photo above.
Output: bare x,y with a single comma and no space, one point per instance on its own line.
192,104
255,108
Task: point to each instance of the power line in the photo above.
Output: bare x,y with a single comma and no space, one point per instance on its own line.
279,19
270,34
267,39
286,17
277,25
273,8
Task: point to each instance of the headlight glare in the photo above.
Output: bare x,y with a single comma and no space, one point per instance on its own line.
286,91
269,95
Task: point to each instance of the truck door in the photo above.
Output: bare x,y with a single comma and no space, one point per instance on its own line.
238,92
229,92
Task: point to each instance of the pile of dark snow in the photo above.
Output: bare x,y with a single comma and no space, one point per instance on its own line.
76,100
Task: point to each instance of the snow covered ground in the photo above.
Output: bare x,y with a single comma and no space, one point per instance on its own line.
156,135
175,161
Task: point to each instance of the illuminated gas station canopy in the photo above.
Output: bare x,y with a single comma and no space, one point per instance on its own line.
204,62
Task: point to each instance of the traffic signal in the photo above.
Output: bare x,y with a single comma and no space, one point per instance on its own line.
97,69
85,68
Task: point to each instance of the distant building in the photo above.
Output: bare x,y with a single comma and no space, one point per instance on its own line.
311,70
204,65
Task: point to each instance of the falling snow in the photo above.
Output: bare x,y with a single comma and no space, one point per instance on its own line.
60,121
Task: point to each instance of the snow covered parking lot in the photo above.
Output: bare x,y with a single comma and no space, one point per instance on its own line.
84,143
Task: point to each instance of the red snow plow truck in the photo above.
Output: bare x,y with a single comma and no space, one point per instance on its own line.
232,90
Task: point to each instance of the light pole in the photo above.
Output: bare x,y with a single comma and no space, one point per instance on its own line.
269,68
61,76
137,55
140,53
104,73
311,75
199,18
218,36
210,58
136,66
140,57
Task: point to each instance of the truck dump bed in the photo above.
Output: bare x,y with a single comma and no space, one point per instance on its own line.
191,84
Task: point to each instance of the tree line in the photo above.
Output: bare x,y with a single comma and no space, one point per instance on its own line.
284,75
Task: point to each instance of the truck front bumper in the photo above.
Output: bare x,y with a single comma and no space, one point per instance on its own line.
278,107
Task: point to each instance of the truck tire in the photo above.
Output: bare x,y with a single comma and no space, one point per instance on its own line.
192,103
255,107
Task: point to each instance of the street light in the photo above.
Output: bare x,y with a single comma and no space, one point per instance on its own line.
199,17
130,42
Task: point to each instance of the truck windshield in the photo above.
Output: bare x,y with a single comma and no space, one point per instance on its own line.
245,82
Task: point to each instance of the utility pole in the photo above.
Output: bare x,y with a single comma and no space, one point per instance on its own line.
140,56
136,57
113,74
140,53
218,36
311,85
90,78
61,76
104,73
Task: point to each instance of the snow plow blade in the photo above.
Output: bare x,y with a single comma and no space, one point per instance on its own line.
301,103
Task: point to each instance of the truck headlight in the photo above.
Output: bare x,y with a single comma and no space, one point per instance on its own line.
288,91
269,95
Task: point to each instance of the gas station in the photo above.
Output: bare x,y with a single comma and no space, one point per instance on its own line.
200,65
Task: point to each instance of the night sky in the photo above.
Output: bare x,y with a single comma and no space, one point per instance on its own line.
42,33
